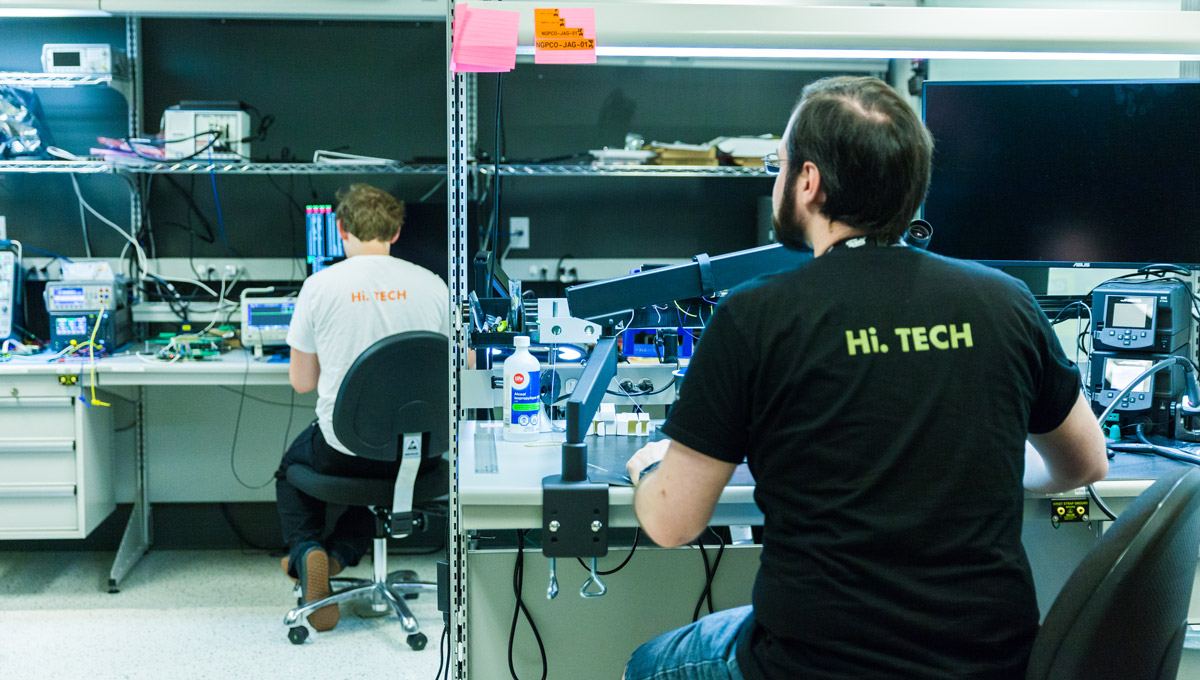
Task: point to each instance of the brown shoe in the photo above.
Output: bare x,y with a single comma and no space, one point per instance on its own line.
314,584
335,567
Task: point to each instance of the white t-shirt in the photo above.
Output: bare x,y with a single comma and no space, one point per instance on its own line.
346,308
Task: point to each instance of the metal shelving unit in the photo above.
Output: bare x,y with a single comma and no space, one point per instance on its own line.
85,167
250,168
220,168
624,171
62,80
54,79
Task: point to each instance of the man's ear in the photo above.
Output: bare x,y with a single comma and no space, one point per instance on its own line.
395,237
342,230
809,189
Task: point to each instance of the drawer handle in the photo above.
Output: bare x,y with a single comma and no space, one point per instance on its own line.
39,402
36,445
37,490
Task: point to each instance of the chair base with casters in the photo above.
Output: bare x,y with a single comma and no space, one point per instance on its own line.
384,591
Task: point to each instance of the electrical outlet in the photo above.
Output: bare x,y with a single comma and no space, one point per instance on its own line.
518,232
3,227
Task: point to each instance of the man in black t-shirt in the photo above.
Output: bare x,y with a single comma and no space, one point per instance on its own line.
882,397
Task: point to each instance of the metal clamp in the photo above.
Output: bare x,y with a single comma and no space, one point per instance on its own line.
593,579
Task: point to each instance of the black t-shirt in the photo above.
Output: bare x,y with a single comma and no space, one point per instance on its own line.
882,396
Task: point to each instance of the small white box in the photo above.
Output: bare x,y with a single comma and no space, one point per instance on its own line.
186,132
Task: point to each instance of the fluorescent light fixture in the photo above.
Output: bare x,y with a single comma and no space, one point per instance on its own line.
769,53
753,30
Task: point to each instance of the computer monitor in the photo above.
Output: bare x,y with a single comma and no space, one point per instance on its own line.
321,234
1065,173
265,321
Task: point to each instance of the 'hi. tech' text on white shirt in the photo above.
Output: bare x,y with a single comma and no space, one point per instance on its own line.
346,308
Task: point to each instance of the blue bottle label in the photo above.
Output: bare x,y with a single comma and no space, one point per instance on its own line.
526,399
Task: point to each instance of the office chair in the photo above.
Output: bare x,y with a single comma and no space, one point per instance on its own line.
394,401
1122,613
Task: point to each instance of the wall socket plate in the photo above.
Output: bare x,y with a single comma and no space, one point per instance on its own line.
518,232
3,228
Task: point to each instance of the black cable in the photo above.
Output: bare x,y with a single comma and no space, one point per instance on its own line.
443,652
518,585
215,134
1098,502
710,575
640,394
707,578
637,533
251,397
495,237
1167,451
189,195
237,425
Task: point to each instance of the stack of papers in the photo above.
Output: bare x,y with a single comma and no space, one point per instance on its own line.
683,154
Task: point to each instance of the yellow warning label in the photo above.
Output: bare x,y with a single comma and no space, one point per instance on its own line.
1069,510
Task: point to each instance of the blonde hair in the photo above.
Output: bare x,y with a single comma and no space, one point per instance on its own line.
369,213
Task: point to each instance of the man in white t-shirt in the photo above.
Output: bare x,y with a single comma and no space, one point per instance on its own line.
341,311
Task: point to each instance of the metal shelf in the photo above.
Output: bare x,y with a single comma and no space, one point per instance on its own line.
54,166
240,168
221,168
54,79
624,171
66,80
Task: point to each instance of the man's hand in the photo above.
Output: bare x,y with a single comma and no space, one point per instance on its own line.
650,453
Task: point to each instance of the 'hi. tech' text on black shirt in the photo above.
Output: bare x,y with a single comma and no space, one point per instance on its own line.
882,396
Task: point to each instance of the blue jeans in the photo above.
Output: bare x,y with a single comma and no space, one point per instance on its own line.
704,650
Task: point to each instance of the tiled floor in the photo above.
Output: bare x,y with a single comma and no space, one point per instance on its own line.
191,614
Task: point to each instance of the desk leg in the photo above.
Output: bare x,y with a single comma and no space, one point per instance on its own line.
137,539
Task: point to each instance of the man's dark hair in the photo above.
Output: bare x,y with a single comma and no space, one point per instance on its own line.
873,152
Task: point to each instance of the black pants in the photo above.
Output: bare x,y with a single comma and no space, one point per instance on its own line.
302,517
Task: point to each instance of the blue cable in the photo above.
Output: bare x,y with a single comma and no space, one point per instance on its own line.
212,175
64,258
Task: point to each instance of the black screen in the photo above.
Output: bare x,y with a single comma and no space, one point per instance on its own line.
66,58
1065,171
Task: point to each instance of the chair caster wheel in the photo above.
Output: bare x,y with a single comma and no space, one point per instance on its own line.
417,641
299,634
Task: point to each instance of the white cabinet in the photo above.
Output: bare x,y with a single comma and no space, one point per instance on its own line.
56,476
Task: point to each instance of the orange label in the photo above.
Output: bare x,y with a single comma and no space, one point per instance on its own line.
379,295
565,44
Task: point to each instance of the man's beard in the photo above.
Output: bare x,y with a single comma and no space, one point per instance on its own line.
790,229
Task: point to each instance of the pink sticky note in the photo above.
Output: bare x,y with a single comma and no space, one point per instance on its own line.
485,41
580,17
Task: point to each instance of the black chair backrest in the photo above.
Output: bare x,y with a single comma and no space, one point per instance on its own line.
398,385
1122,612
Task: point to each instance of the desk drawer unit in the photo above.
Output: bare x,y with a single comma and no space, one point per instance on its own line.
55,467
